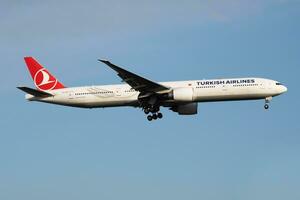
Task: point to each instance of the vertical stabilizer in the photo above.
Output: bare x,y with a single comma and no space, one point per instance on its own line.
42,78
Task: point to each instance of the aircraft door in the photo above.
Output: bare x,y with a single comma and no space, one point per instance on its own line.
118,92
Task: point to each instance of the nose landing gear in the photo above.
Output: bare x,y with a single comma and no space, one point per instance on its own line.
267,101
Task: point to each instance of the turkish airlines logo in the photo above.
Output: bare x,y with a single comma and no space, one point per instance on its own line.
44,81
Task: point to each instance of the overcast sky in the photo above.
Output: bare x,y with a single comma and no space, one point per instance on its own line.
232,150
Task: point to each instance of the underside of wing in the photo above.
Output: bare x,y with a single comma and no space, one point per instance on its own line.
137,82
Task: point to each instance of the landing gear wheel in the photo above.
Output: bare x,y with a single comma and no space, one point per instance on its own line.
153,109
149,117
154,116
146,111
266,106
156,109
159,115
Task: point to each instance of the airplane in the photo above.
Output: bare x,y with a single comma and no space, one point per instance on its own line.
179,96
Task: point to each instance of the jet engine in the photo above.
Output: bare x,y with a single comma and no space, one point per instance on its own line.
186,109
183,94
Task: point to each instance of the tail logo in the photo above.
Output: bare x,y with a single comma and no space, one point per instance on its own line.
44,81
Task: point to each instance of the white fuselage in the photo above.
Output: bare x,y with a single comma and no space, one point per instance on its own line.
203,91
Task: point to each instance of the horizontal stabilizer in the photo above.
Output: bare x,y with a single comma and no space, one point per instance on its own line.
34,92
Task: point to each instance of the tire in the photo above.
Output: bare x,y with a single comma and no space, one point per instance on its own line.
146,111
149,117
159,115
152,110
266,106
154,116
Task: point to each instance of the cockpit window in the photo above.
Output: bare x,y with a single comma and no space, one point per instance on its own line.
278,84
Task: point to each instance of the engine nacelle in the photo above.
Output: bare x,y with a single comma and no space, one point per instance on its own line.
186,109
183,94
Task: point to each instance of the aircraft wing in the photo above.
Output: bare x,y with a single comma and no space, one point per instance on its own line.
137,82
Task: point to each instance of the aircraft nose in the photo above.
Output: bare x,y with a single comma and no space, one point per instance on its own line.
284,89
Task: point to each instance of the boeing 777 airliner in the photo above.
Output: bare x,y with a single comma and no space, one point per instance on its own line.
179,96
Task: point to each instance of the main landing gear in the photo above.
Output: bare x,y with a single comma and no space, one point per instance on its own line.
267,101
155,114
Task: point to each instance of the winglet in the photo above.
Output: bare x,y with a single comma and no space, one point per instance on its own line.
104,61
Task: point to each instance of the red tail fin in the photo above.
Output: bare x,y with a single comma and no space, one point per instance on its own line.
42,79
